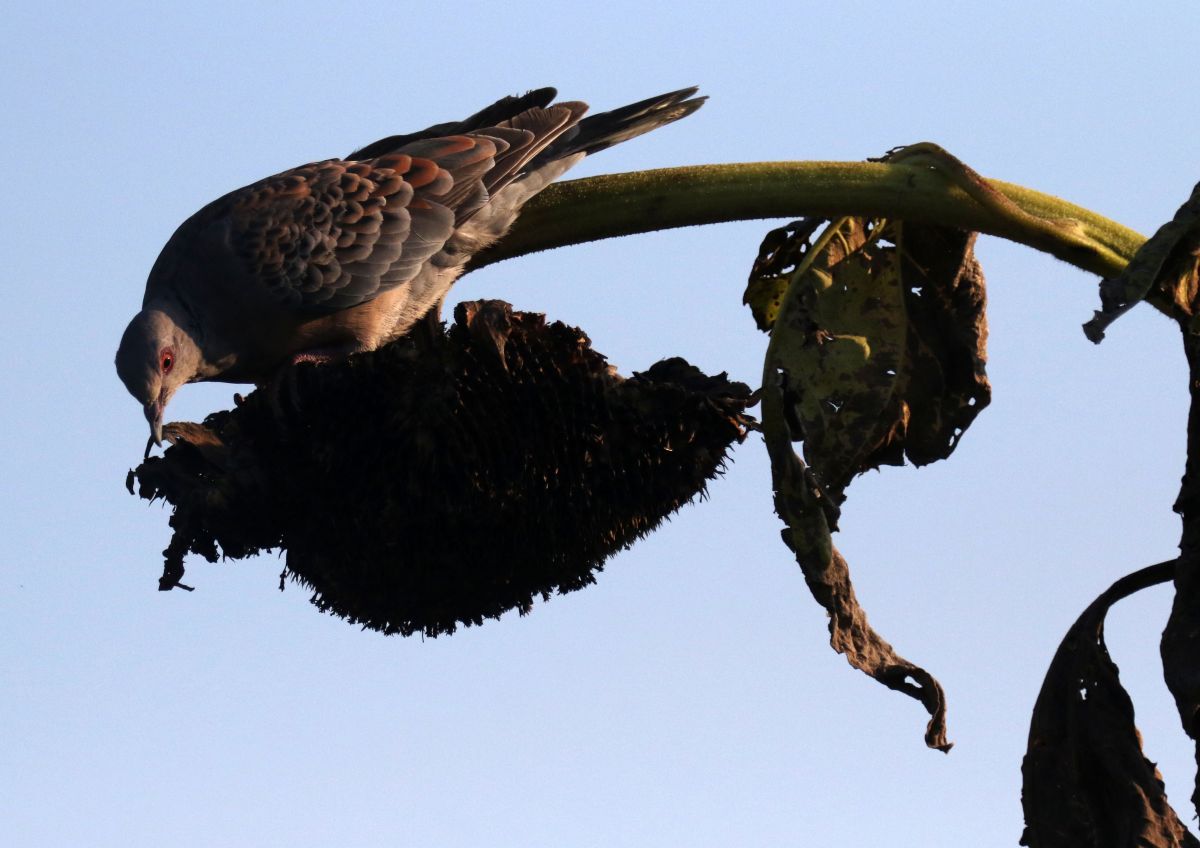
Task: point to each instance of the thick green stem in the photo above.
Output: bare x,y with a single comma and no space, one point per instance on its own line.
623,204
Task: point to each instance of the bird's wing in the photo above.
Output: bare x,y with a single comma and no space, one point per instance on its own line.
331,235
494,115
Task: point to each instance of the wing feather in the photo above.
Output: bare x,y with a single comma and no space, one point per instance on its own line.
331,235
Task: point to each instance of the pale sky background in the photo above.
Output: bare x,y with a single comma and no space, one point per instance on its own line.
690,697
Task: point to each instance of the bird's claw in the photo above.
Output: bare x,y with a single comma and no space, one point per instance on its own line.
282,395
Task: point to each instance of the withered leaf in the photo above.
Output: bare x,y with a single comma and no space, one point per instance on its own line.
810,515
884,346
1180,648
878,347
1168,262
781,251
841,342
1087,783
945,381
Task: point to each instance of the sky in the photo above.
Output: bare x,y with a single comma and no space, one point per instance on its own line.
690,696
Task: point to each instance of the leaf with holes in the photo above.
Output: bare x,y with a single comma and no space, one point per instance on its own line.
781,251
1086,779
944,382
882,342
877,354
841,341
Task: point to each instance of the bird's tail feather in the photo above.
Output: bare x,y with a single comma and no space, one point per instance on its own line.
597,132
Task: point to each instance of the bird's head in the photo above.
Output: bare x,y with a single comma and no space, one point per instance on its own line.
155,358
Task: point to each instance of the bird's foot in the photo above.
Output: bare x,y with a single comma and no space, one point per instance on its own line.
318,356
282,392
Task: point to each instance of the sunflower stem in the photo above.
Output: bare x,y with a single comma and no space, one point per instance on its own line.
596,208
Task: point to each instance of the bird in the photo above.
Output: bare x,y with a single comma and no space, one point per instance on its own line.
341,256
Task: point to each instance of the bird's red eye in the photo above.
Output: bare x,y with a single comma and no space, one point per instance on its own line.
166,360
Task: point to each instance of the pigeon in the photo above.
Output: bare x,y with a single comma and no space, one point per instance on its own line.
346,255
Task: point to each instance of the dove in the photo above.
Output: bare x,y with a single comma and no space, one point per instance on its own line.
342,256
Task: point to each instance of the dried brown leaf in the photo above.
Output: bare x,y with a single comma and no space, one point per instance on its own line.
1180,650
1180,646
781,251
1169,262
1087,783
945,376
809,516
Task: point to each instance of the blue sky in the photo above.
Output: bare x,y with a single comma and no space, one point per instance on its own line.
689,697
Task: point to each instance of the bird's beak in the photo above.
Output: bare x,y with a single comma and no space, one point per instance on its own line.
154,415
